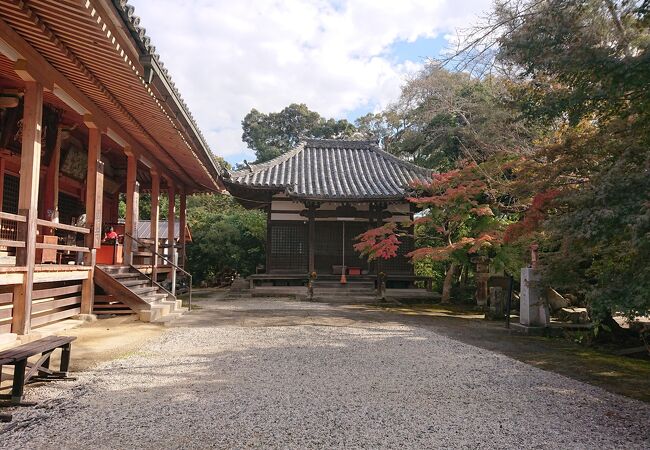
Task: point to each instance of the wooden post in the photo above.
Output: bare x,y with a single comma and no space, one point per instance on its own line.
155,215
30,164
171,222
182,216
51,188
269,244
2,182
94,209
312,237
131,204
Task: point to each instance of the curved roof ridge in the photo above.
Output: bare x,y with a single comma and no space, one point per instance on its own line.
334,169
403,162
254,168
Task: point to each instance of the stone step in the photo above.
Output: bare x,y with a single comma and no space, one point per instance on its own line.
155,311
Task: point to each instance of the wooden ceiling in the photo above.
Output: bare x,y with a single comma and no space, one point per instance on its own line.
87,42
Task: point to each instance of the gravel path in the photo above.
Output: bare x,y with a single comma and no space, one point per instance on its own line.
275,374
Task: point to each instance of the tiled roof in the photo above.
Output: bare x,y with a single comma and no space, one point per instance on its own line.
141,38
334,169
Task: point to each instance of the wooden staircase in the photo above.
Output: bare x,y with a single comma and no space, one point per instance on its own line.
142,254
126,286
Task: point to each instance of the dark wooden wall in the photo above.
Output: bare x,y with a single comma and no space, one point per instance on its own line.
289,249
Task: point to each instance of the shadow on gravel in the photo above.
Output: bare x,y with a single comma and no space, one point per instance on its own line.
618,374
387,385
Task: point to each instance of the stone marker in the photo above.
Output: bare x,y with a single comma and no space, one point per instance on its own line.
533,309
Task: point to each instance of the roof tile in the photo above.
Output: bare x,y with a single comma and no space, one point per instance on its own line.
334,169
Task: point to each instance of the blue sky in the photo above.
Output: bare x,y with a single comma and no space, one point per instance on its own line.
343,58
402,52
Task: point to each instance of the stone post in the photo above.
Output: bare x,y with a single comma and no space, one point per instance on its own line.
533,309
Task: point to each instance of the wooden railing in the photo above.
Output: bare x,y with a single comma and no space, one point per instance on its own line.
9,230
62,226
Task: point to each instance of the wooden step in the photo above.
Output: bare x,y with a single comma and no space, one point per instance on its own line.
143,254
135,282
121,276
144,291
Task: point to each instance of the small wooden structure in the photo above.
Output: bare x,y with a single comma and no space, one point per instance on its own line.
88,115
319,197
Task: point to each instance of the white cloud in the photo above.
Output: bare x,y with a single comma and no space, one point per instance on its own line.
227,57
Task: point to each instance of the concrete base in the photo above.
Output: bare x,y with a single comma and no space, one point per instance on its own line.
85,317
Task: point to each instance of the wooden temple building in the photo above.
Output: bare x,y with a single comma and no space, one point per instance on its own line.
89,117
318,198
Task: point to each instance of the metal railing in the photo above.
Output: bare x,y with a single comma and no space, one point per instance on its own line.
155,254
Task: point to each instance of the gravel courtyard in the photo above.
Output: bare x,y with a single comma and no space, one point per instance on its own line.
284,374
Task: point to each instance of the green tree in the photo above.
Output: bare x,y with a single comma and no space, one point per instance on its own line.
443,117
270,135
462,220
225,236
584,70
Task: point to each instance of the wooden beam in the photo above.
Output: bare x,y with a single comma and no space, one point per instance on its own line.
46,277
131,204
28,71
30,165
17,278
12,43
155,216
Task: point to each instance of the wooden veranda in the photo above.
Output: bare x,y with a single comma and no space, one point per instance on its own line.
88,115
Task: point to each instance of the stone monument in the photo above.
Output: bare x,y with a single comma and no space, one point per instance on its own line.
533,308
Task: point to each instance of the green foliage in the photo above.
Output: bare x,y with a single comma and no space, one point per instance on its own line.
443,117
224,235
270,135
584,71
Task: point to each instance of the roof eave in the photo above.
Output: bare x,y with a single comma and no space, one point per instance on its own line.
161,82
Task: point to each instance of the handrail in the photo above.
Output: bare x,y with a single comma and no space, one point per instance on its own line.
14,217
69,248
153,259
61,226
152,280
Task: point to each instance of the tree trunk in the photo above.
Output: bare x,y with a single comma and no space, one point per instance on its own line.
449,280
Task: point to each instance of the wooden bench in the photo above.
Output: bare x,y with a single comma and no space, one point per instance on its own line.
26,372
